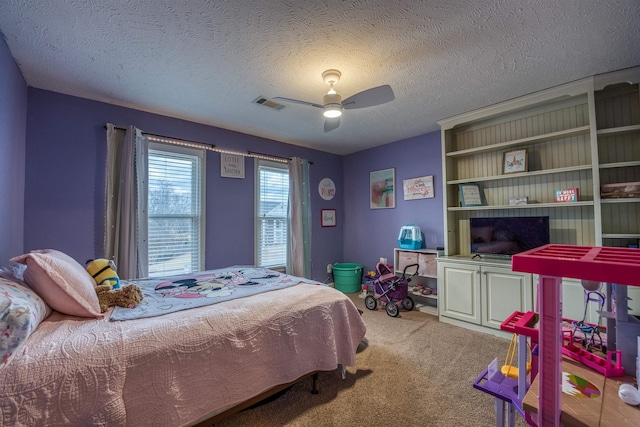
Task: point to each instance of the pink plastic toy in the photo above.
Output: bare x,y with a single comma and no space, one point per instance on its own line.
552,263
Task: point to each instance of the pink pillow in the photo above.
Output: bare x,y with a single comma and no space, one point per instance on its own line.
63,283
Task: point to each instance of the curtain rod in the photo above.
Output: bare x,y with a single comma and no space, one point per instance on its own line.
269,156
213,147
169,139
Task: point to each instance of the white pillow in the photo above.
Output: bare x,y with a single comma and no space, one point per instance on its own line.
61,281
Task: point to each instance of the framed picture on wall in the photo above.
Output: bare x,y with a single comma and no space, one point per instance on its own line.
382,189
418,188
328,217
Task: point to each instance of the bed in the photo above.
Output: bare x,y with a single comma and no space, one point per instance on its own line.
180,368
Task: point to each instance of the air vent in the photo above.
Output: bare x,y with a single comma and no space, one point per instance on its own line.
268,103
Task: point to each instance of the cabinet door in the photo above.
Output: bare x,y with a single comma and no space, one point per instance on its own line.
503,292
459,294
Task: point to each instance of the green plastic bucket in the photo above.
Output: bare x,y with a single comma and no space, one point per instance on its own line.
347,277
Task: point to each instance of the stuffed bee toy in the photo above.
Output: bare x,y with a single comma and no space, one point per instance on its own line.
108,287
103,272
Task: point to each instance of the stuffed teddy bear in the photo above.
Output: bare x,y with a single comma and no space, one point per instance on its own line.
129,296
108,287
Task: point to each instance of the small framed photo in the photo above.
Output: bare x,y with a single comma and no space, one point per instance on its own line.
515,161
328,217
470,195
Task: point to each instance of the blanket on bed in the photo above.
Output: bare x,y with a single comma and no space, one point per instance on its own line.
175,293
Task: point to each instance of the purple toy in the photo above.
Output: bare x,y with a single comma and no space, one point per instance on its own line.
390,289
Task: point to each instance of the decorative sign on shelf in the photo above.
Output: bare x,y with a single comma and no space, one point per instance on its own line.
567,195
620,190
518,200
515,161
470,195
418,188
231,165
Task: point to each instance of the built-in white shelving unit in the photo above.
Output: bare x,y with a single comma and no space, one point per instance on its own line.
583,134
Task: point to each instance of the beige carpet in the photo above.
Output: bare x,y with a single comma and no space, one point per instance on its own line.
415,371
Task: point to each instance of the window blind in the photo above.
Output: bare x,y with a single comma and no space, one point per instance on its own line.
272,207
175,210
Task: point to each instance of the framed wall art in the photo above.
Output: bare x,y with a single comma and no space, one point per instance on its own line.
328,217
231,166
418,188
382,189
515,161
327,188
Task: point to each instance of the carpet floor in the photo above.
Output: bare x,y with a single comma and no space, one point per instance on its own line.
413,371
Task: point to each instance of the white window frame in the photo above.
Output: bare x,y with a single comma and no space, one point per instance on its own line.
257,224
201,155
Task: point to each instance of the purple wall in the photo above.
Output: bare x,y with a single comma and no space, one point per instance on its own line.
55,198
65,163
373,233
13,118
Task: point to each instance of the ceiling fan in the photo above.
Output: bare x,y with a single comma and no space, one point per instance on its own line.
332,102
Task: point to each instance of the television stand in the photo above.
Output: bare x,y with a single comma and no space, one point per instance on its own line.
479,292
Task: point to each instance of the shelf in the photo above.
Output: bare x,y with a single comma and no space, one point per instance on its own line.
619,130
528,206
426,276
621,200
521,174
433,297
620,236
582,130
429,309
619,165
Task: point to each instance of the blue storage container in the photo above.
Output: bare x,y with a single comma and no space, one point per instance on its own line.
410,237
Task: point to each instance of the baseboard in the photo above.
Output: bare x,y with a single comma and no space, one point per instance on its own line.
474,327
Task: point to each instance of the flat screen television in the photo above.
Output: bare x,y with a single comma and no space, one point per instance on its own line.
506,236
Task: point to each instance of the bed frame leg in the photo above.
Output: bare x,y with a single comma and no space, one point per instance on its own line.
314,385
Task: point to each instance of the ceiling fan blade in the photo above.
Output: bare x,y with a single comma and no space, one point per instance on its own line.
331,124
369,98
296,101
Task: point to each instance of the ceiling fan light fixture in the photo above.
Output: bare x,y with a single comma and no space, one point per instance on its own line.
332,105
331,111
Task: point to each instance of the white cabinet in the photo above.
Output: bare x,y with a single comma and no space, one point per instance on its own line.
426,296
482,293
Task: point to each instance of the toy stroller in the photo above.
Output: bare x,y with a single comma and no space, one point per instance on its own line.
591,332
391,290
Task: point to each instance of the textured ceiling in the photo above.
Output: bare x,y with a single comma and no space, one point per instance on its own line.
205,61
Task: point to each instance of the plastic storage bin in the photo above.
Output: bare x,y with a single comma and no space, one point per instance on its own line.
347,277
410,237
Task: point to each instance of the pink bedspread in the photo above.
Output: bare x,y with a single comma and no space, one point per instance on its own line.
172,370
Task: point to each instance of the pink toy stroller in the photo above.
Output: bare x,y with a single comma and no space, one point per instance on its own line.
391,290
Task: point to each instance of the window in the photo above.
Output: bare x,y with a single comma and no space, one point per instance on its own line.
176,193
272,193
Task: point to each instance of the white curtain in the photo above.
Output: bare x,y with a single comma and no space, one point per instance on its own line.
126,234
299,224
